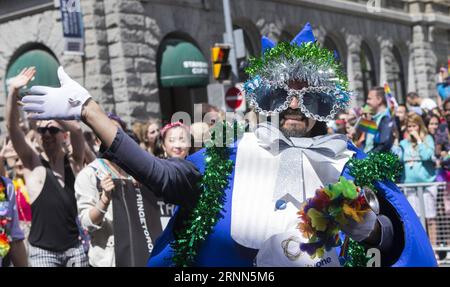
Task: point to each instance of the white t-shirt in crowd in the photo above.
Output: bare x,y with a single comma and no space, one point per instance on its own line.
428,104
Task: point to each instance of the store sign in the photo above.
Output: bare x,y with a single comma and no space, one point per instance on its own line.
197,67
72,21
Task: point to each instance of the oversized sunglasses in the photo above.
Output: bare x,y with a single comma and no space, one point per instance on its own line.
315,102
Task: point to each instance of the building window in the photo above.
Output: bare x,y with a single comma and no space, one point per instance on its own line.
45,63
331,45
286,36
397,81
367,69
250,51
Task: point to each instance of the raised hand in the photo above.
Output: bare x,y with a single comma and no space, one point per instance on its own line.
22,79
107,185
63,103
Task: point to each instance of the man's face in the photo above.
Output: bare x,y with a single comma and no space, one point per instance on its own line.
373,100
293,123
413,101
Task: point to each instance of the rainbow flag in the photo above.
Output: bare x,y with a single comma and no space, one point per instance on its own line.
367,126
390,99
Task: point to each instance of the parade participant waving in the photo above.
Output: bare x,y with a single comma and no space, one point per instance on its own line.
250,193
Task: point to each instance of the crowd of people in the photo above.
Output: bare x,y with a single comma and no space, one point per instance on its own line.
63,188
73,205
417,132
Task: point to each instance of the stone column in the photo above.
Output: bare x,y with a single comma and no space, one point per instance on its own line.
354,73
133,39
319,33
423,58
424,63
387,60
97,78
269,29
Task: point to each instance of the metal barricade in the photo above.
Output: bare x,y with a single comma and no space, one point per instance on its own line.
431,201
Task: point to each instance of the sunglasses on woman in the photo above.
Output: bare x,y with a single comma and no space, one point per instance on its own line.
51,130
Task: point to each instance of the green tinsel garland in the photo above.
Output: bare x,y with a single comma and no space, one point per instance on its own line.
356,255
376,166
206,214
310,52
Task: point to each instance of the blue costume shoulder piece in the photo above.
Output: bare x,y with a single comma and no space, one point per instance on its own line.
219,249
417,250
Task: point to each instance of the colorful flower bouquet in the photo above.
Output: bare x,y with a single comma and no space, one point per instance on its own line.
322,216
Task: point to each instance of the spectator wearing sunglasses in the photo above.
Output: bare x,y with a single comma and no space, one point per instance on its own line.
50,176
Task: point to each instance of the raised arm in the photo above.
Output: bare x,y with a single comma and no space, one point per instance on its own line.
94,116
175,180
76,140
26,153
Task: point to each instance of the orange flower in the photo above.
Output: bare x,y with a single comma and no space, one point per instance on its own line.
356,213
4,245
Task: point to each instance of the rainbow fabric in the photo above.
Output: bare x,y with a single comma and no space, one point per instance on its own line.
368,126
390,99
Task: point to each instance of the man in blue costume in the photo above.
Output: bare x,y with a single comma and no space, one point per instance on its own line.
275,169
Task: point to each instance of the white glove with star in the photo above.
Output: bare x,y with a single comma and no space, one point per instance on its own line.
56,103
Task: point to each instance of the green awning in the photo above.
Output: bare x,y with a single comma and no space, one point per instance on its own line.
183,65
46,68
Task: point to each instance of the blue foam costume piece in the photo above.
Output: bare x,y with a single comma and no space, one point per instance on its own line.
306,35
266,44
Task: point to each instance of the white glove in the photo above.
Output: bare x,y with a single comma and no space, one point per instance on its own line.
56,103
361,231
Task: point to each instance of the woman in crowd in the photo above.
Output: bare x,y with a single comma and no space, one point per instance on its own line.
176,140
400,120
94,188
417,155
150,137
439,131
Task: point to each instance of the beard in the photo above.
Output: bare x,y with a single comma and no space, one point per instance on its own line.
293,123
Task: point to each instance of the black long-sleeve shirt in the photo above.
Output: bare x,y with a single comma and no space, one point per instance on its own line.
175,180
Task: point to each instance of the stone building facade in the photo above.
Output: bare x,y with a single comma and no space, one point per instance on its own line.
402,42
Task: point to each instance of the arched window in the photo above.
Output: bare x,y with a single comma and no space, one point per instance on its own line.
367,68
397,81
286,36
331,45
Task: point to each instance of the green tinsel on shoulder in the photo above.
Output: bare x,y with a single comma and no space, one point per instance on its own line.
311,52
207,212
375,167
356,255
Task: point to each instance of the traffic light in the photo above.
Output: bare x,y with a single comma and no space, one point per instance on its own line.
221,67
